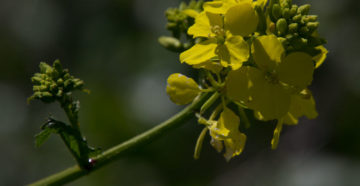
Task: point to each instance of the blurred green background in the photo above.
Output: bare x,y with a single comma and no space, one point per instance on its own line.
112,45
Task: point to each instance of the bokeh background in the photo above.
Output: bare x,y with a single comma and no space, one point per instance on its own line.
112,45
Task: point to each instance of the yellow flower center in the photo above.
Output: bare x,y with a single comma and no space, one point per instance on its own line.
219,34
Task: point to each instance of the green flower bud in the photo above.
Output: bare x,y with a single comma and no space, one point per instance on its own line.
293,10
311,18
36,88
47,97
297,18
60,81
276,11
289,36
59,93
68,83
46,94
44,67
170,43
304,9
66,76
304,30
57,66
36,95
53,87
281,26
293,27
78,83
183,5
36,80
312,26
286,13
285,4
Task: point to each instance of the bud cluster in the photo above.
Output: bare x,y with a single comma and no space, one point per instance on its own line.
54,83
178,21
294,26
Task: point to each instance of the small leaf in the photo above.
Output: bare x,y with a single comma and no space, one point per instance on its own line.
42,137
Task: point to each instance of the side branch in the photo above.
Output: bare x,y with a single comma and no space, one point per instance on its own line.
115,152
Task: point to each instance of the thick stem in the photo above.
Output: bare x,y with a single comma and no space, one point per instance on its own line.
112,154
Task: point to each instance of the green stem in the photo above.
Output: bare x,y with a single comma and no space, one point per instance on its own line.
244,117
113,153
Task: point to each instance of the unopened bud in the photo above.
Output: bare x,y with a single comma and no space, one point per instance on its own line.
272,27
312,26
297,18
36,80
293,10
304,30
304,9
276,11
293,27
281,26
170,43
286,13
311,18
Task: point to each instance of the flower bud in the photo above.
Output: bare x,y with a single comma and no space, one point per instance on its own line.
276,11
281,26
304,9
181,89
293,27
297,18
312,26
286,13
293,10
170,43
36,80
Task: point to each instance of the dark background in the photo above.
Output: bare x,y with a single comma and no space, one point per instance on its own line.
112,45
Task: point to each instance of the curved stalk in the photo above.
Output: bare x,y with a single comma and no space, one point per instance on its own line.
115,152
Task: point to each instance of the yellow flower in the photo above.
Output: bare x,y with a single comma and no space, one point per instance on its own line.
181,89
268,87
302,104
224,35
225,132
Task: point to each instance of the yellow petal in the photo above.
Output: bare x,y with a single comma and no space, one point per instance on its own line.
215,7
238,51
217,144
234,145
238,85
297,70
267,51
271,100
241,19
320,58
299,107
221,6
227,123
203,24
199,53
213,66
201,27
181,89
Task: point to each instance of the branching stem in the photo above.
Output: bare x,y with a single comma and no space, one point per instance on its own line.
115,152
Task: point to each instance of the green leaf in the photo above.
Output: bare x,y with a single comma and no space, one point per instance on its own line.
42,137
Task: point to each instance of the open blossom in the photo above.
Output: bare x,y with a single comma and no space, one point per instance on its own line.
225,132
224,37
256,55
268,87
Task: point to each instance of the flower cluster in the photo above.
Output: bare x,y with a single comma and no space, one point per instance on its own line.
54,83
257,56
